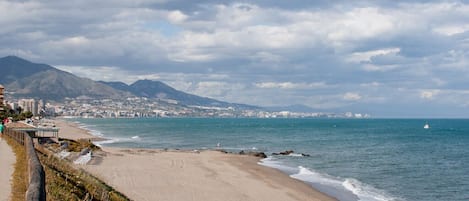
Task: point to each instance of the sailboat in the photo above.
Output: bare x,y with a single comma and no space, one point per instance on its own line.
426,126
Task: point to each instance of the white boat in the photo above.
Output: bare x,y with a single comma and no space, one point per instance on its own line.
426,126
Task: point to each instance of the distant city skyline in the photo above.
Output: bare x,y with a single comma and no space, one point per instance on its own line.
384,58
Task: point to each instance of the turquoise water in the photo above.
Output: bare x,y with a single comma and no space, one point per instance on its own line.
351,159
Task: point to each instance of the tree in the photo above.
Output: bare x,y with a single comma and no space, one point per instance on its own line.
15,115
26,115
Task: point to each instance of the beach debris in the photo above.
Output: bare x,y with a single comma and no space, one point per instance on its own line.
63,154
254,153
85,151
64,145
290,153
83,159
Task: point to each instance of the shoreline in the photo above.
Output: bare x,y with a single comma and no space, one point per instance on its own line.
155,174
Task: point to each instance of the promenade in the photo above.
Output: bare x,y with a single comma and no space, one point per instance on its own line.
7,160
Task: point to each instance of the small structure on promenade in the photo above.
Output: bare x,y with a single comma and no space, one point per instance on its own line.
34,131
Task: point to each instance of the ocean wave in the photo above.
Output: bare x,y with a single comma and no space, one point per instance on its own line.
95,133
274,163
342,189
295,155
87,128
102,142
306,174
116,140
236,148
366,192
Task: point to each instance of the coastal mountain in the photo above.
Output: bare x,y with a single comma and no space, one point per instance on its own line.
159,90
118,85
14,68
292,108
24,79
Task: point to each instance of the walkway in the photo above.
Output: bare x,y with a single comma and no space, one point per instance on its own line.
7,160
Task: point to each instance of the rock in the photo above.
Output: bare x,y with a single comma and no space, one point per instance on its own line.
253,153
260,155
287,152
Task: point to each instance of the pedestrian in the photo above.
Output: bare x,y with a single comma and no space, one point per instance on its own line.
2,127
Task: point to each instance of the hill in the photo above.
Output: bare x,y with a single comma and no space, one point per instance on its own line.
24,79
159,90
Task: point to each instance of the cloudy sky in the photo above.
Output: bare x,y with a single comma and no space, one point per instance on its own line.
385,58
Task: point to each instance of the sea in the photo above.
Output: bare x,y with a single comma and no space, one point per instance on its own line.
350,159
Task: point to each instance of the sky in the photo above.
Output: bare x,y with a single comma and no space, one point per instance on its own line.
383,58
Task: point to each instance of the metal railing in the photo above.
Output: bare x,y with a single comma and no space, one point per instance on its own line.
15,135
37,181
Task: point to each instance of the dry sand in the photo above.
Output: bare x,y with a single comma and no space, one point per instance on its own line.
148,174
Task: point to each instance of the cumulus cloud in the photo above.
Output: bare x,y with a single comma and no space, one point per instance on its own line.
99,73
290,85
177,17
429,94
350,96
319,54
367,55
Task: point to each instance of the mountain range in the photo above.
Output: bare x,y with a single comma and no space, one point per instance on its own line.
25,79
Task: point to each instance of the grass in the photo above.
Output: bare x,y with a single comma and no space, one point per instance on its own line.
20,176
65,182
77,145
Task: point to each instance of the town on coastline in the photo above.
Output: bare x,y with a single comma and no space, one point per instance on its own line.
57,167
140,107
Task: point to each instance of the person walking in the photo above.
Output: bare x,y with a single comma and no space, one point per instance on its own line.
2,127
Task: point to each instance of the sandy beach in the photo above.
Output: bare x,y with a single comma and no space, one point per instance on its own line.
149,174
70,130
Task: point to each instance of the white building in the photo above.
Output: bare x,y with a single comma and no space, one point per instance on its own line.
31,105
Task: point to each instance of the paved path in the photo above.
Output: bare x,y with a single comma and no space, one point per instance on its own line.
7,160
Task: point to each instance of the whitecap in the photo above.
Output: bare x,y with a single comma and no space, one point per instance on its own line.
366,192
295,155
89,130
100,143
274,163
306,174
